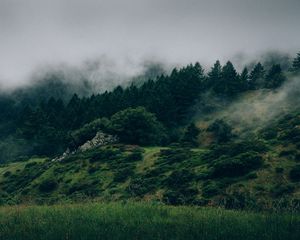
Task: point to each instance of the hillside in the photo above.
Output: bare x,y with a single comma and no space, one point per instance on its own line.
261,172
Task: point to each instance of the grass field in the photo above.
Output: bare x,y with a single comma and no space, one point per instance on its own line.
142,221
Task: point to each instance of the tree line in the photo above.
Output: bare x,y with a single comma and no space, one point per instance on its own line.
45,128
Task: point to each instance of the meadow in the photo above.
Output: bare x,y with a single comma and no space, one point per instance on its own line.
142,221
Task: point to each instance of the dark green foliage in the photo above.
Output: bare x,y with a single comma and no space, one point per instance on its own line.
123,174
295,173
174,155
134,156
190,136
275,77
221,130
103,155
139,186
244,79
234,149
215,78
231,84
92,169
137,126
48,185
279,170
210,189
296,64
179,179
87,132
282,190
7,174
236,166
43,124
184,196
238,199
256,78
87,188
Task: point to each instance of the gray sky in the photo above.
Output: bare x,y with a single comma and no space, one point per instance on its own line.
35,33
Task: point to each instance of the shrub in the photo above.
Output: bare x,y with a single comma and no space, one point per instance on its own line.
190,136
221,130
140,186
92,169
28,165
234,149
210,189
236,166
279,170
287,153
297,157
87,132
295,173
86,188
280,190
48,185
135,156
7,174
174,155
180,196
123,174
179,179
137,126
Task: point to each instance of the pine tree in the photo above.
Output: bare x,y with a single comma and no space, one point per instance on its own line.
191,134
244,79
215,77
296,64
230,81
275,77
256,78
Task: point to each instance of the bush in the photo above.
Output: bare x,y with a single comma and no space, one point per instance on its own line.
92,169
236,166
180,196
190,136
179,179
48,185
28,165
280,190
174,155
210,189
221,130
137,126
295,173
140,186
135,156
234,149
87,132
123,174
7,174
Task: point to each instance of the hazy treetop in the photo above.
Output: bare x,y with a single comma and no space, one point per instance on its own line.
38,32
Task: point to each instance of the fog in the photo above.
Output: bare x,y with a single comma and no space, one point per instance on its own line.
41,34
258,109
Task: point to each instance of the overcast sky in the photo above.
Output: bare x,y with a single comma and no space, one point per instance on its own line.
38,32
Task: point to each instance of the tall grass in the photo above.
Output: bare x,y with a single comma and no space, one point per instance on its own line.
142,221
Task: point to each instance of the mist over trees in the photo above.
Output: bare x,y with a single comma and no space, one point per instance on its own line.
44,127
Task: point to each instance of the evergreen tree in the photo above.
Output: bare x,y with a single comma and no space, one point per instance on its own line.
137,126
296,64
256,78
244,79
215,78
230,82
275,77
191,135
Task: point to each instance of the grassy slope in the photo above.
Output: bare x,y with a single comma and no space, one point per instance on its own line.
150,178
142,221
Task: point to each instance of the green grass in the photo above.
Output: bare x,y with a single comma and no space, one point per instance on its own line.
142,221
